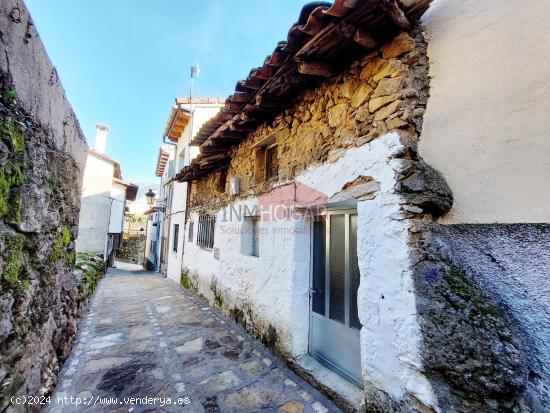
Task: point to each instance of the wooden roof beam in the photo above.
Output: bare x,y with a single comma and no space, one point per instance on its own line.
363,38
396,14
315,68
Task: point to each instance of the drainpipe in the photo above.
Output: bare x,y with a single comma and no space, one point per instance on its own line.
168,143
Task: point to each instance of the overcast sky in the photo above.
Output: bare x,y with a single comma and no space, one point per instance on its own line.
123,62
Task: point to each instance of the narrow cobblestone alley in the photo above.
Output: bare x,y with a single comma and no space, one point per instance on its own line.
145,336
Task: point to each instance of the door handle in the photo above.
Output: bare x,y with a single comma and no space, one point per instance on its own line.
313,291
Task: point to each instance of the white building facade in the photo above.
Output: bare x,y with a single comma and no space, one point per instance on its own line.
104,196
156,258
186,118
316,219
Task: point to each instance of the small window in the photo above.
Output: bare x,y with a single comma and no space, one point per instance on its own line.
256,237
170,196
271,163
191,228
205,236
221,178
250,238
175,238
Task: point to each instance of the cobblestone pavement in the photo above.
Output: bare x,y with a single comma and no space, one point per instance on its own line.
145,336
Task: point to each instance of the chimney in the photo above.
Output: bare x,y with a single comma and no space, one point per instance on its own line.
101,132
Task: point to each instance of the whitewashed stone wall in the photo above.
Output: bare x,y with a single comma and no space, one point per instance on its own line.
272,289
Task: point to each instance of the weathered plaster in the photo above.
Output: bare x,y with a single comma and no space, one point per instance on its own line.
96,205
279,277
512,262
486,125
184,153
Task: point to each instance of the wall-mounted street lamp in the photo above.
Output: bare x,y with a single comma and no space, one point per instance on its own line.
150,197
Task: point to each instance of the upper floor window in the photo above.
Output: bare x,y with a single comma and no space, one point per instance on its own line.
271,163
181,160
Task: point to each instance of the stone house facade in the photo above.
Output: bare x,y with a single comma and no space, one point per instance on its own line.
343,211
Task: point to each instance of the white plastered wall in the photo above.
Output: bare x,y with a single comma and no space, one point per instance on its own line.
275,284
487,123
184,153
177,217
118,203
95,208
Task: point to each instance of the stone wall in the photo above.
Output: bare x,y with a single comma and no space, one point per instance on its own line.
334,138
385,90
42,151
452,338
511,263
470,352
132,249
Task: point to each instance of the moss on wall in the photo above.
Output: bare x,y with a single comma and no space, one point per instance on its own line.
4,192
92,267
187,282
39,204
61,240
13,258
13,167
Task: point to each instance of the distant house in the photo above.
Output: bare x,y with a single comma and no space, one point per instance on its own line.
156,240
164,247
104,196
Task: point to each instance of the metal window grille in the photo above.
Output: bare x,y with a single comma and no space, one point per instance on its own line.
205,236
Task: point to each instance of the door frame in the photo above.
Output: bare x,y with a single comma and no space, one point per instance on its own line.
346,209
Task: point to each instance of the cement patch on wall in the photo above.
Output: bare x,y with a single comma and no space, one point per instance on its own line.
486,124
512,264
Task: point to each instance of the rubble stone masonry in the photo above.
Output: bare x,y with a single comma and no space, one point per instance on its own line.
470,346
42,151
386,90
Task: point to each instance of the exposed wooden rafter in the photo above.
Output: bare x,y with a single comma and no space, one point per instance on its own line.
326,38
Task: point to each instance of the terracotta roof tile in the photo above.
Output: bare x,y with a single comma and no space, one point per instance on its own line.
324,41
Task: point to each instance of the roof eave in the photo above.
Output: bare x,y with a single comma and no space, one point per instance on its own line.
325,40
